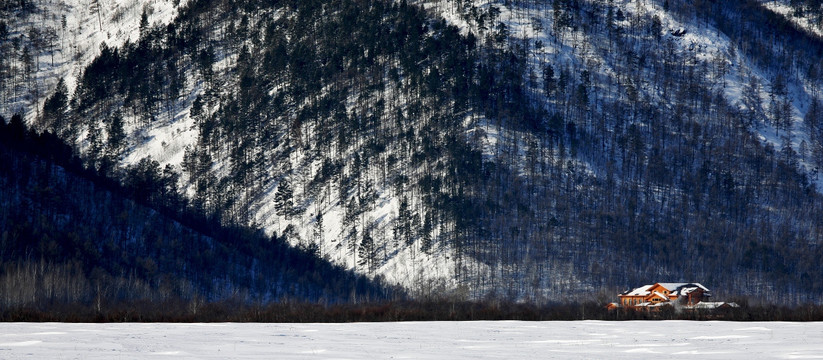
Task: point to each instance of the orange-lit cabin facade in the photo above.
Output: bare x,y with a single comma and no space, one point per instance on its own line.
649,295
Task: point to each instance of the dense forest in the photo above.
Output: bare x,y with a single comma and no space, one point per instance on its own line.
527,150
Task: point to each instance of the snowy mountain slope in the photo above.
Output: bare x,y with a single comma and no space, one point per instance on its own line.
703,42
172,134
683,32
64,36
805,88
735,72
527,153
700,42
75,32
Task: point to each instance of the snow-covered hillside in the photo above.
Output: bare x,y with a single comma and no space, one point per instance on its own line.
81,29
74,32
689,38
523,149
64,36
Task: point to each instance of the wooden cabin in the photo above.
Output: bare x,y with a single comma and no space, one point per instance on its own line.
687,294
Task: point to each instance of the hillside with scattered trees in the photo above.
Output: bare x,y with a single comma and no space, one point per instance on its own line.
70,237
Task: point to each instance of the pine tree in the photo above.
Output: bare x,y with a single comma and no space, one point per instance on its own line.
144,21
549,84
116,135
283,199
402,230
54,109
367,251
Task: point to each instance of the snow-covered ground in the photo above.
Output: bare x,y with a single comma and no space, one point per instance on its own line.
416,340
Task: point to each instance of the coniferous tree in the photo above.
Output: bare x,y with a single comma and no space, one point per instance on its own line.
55,109
367,253
283,199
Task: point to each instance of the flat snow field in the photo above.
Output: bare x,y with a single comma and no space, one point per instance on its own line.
415,340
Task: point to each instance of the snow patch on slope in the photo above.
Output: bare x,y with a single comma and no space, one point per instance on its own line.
804,21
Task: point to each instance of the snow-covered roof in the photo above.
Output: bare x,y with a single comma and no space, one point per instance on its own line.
687,290
641,291
682,288
674,288
707,305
